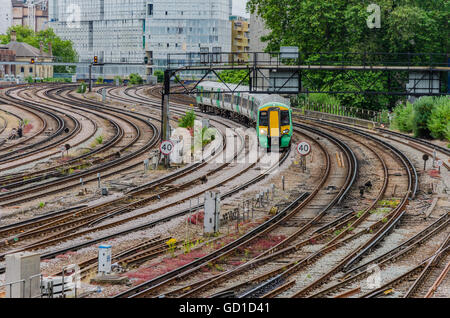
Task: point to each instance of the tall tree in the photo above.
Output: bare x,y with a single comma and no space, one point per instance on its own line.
412,26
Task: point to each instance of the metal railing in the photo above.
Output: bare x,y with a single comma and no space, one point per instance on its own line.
10,284
380,117
338,59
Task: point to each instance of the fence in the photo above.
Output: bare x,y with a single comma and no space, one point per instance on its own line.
350,112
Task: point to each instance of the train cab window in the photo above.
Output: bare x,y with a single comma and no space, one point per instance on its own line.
284,118
263,118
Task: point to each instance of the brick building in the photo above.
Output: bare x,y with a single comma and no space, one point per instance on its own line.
21,16
7,55
24,53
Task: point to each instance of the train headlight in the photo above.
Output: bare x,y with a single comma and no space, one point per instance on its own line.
263,132
286,131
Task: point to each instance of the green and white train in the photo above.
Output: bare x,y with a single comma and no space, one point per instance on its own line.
271,114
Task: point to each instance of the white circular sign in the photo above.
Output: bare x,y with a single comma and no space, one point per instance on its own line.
304,148
166,147
439,163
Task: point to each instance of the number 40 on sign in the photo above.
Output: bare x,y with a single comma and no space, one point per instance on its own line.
166,147
304,148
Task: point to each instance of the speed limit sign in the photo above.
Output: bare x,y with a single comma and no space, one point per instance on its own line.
166,147
303,148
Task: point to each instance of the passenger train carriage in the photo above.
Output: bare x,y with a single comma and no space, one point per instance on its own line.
271,114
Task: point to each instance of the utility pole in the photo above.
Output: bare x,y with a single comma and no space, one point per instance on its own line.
90,77
165,129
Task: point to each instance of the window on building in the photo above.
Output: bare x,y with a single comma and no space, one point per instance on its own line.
150,9
204,54
167,44
166,12
22,69
31,70
217,57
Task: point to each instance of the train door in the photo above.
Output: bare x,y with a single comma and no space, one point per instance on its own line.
274,122
274,127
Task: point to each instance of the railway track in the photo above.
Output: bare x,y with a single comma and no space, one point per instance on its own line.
33,192
286,255
71,212
46,143
276,281
419,273
182,273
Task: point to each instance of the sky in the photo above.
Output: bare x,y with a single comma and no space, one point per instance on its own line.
239,8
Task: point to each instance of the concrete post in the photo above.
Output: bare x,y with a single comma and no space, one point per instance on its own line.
212,212
22,266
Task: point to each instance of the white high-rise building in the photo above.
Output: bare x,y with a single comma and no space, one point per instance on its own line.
113,30
184,26
6,15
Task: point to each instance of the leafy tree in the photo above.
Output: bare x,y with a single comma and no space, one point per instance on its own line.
62,49
341,26
234,76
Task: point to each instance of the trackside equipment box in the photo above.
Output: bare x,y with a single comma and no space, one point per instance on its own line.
104,259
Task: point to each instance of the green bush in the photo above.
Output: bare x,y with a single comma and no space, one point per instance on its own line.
29,79
403,118
188,120
422,111
447,135
117,77
99,80
135,79
57,80
384,116
160,75
99,139
323,99
82,88
439,120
